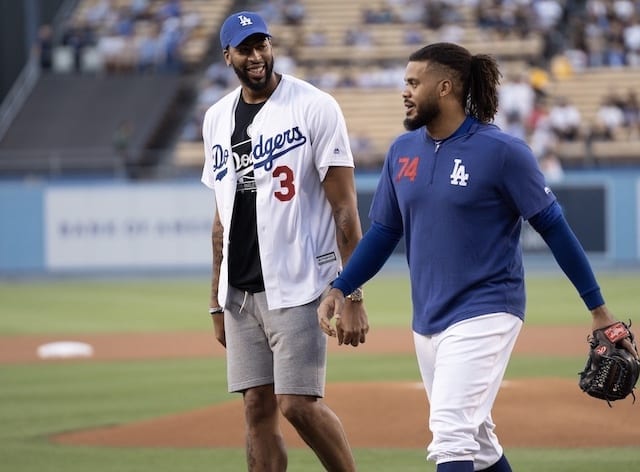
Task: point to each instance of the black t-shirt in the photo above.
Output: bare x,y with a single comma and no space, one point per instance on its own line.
245,270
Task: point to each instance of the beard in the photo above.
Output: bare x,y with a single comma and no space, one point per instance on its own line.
425,115
248,82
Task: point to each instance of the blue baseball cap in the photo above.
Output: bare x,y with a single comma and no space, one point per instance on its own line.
239,26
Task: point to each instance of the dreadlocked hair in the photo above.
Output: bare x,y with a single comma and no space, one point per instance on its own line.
478,77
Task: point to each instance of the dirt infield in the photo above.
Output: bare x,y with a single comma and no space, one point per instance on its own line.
528,412
561,341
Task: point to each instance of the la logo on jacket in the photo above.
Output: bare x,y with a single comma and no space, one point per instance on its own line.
459,176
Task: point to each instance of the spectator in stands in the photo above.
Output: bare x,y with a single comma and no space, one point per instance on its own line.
169,9
125,23
614,53
451,33
100,14
379,14
112,48
149,48
449,11
43,48
488,16
189,21
358,36
413,36
407,11
521,23
502,19
623,9
210,93
539,134
293,12
577,61
565,119
317,37
362,146
548,13
286,62
219,73
539,78
192,129
516,96
348,78
551,166
381,76
217,81
269,9
122,145
542,137
631,35
434,14
631,111
539,113
172,38
593,34
514,125
560,66
609,120
323,77
140,9
79,35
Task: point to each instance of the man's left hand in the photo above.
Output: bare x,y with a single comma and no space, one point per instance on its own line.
353,325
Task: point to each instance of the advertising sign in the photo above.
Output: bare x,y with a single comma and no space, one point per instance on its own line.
88,227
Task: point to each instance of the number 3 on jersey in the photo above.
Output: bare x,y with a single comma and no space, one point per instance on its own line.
287,189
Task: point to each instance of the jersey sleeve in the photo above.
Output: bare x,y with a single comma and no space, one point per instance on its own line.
207,177
384,206
523,181
329,135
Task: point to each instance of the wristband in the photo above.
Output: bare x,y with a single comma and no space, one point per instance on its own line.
216,311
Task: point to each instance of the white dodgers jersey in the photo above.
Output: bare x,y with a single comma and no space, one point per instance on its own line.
297,135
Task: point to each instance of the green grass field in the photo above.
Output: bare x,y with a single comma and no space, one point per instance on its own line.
37,400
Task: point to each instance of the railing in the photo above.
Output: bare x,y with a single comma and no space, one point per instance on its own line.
18,94
59,162
104,162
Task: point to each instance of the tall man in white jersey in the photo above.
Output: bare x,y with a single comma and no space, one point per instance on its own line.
277,156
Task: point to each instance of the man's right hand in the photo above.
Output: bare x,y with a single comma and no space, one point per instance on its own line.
218,328
330,308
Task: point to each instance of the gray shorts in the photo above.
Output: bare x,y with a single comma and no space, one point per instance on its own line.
284,347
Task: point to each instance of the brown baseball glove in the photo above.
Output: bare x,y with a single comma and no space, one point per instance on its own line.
611,371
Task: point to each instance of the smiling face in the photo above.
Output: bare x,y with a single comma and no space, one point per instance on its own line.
252,61
423,88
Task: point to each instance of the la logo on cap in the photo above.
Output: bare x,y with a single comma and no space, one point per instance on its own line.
245,20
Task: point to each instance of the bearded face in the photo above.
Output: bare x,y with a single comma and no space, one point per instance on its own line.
255,76
422,113
252,62
421,95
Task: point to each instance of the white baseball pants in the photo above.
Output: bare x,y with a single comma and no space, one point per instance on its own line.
462,369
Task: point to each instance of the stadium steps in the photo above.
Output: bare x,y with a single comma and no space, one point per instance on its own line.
71,120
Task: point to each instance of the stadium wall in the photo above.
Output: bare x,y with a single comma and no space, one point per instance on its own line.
115,226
